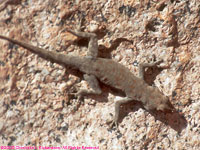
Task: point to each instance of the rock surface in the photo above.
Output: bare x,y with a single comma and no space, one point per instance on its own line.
35,106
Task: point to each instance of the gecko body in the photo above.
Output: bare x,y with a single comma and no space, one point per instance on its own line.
107,71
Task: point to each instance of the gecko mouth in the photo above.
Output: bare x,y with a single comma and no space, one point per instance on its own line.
169,108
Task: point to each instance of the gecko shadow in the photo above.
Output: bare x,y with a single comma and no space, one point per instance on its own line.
173,119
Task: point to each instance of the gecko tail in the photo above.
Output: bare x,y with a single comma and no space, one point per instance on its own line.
54,57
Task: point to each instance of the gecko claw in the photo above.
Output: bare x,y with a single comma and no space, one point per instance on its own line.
159,62
112,124
76,95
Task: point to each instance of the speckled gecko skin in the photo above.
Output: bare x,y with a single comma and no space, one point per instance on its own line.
107,71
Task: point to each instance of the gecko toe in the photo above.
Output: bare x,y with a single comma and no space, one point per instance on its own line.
112,124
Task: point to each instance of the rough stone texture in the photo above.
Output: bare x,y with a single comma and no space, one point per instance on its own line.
35,108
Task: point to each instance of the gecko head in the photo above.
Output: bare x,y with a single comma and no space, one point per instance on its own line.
163,103
158,101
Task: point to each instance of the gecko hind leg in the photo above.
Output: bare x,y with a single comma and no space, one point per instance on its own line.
93,83
93,41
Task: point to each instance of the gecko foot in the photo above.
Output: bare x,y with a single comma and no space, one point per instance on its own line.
159,62
76,95
112,124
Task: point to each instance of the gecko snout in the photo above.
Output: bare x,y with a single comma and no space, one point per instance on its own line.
165,105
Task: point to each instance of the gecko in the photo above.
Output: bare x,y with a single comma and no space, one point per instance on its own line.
107,71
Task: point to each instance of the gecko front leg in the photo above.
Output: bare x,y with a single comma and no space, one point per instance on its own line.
145,65
117,108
